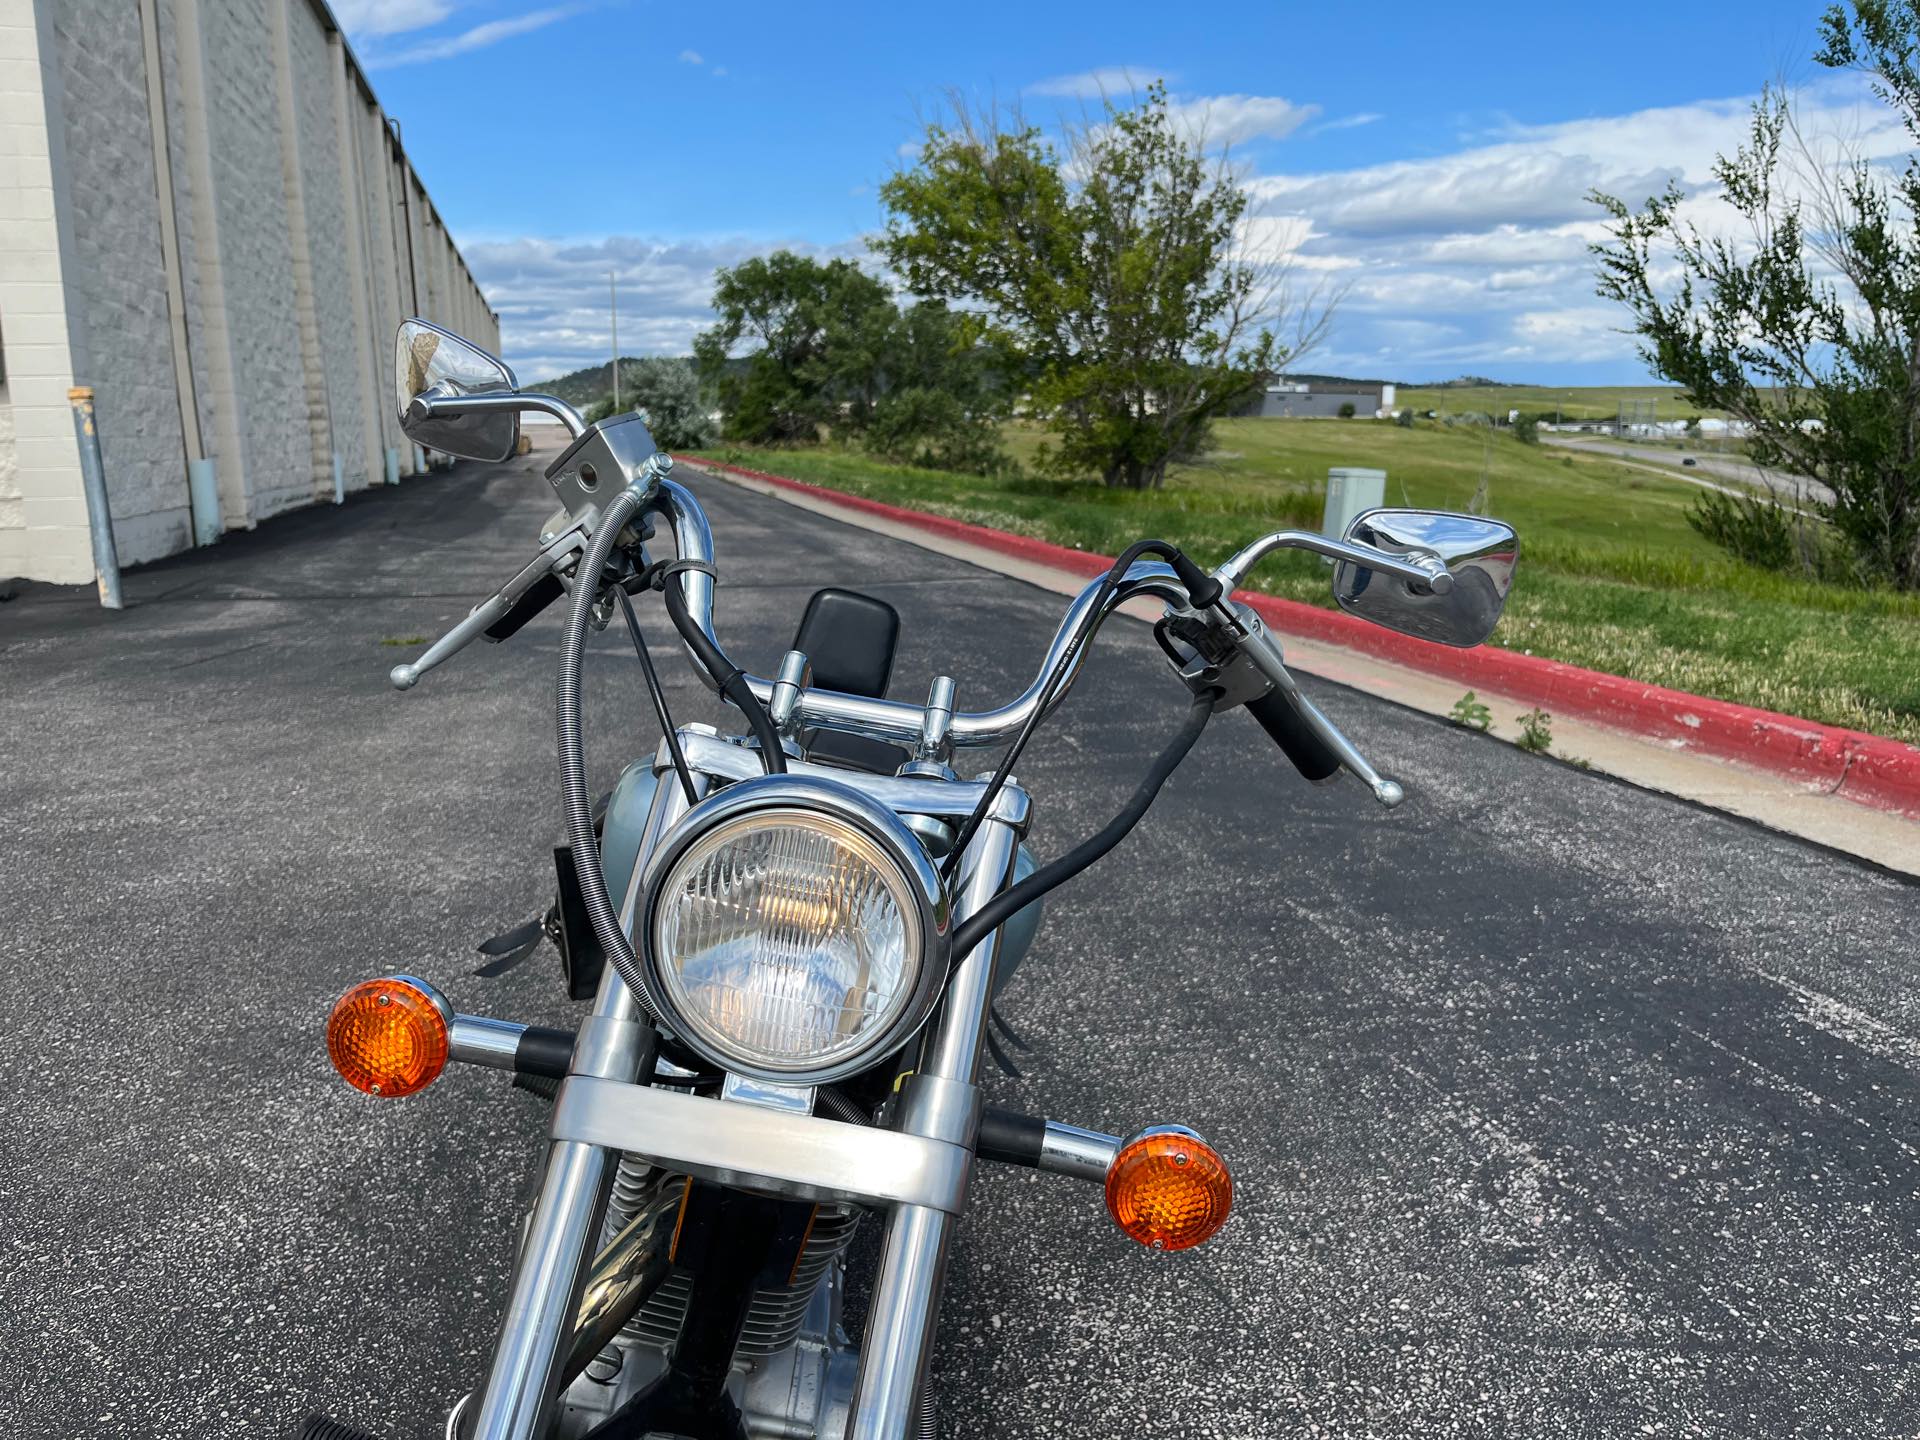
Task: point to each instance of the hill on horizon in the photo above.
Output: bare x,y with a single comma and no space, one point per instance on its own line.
588,387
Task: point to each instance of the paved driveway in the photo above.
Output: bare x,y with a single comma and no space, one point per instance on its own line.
1558,1108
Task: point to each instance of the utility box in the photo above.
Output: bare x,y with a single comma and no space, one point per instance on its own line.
1351,492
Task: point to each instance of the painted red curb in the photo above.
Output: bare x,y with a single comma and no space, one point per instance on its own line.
1870,769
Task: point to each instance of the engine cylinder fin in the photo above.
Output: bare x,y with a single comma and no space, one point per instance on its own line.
633,1181
773,1323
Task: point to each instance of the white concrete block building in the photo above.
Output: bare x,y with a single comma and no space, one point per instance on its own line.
206,218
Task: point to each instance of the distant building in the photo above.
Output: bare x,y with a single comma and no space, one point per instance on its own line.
1318,397
208,220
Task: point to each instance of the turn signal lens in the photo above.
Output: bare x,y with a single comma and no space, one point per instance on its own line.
387,1037
1169,1189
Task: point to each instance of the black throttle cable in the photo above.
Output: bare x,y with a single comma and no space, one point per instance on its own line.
658,695
575,804
728,676
997,911
1201,588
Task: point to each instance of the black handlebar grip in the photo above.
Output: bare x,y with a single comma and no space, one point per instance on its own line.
1309,753
542,593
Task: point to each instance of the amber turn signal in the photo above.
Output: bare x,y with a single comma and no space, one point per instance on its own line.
387,1037
1169,1189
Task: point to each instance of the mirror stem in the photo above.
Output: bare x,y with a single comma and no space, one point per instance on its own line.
1425,570
428,405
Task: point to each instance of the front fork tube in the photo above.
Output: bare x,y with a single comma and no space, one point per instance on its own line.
941,1101
519,1398
616,1043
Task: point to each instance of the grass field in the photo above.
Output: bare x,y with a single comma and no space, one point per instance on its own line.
1611,575
1587,402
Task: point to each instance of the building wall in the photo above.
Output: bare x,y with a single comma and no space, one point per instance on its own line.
122,342
292,206
41,511
1314,405
324,198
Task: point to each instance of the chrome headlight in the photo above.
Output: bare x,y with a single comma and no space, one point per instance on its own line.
796,931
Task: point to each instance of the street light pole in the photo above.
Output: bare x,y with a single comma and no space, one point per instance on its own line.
613,307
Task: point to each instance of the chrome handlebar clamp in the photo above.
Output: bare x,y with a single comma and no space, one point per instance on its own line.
614,454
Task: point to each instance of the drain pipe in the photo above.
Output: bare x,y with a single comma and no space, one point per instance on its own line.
106,559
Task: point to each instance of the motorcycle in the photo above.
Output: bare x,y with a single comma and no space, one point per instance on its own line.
792,939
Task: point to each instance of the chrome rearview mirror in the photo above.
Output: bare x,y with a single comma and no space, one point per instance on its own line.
433,365
1479,554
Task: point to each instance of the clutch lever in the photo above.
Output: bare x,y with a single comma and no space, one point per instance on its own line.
561,553
1258,645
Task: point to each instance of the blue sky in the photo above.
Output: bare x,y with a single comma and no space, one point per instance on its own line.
1429,160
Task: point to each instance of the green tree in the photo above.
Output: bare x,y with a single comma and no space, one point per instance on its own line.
816,332
667,392
1807,326
1105,270
943,397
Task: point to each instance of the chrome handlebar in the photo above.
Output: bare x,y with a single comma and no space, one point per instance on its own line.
896,721
904,723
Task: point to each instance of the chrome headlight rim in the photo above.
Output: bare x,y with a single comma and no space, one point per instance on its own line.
928,912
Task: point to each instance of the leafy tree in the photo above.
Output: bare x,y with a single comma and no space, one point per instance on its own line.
1105,271
1526,429
667,392
1346,410
944,396
820,330
1807,328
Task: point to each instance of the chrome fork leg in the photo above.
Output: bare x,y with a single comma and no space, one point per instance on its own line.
942,1102
518,1402
614,1044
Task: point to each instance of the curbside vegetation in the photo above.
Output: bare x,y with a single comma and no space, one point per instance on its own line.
1613,577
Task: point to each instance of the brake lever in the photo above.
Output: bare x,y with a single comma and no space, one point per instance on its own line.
1259,646
560,553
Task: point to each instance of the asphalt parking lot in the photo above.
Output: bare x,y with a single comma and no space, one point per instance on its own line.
1557,1108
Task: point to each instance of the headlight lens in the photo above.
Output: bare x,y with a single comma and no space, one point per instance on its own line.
788,940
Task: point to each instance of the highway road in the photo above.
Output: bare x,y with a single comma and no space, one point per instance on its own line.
1558,1108
1714,471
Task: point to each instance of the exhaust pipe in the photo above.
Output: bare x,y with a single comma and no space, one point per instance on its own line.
625,1274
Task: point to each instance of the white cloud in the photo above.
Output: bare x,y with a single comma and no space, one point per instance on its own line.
1490,242
719,72
477,38
1346,122
389,17
1476,260
1117,81
552,293
1578,332
1236,119
691,57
